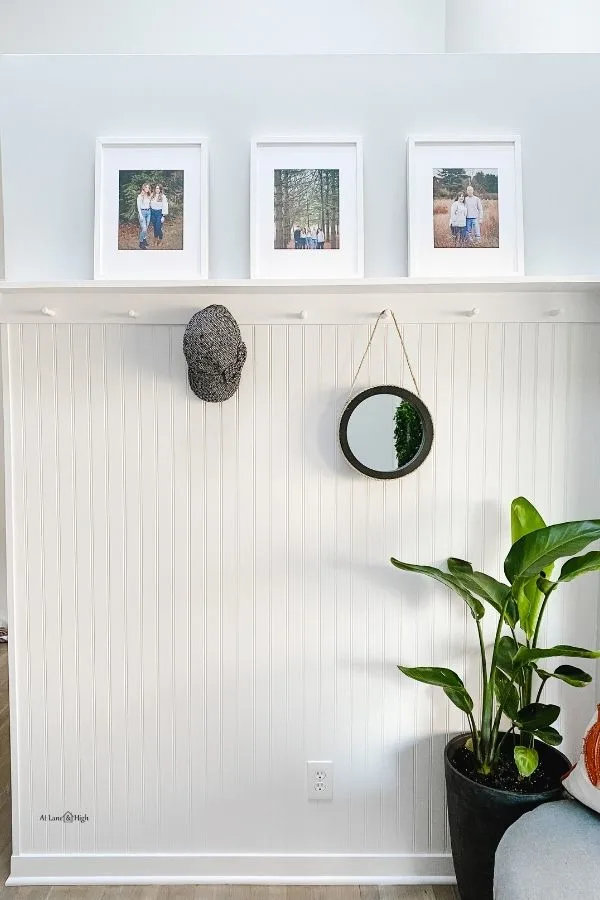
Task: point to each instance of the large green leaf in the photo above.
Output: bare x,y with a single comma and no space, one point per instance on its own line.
569,674
531,595
461,698
526,760
506,695
475,605
529,603
579,565
524,518
436,675
549,736
526,655
505,653
458,566
535,552
489,589
452,684
546,586
536,716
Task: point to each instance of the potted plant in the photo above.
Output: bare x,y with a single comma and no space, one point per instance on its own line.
493,775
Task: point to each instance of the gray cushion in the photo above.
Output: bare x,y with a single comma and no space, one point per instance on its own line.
552,853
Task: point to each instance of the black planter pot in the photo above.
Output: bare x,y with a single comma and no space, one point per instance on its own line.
480,815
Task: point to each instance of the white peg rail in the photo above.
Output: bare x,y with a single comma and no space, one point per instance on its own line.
526,299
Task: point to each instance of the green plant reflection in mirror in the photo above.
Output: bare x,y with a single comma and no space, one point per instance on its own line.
408,433
386,432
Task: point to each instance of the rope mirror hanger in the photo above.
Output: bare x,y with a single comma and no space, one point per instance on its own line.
386,431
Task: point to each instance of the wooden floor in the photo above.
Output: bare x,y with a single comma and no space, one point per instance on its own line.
183,892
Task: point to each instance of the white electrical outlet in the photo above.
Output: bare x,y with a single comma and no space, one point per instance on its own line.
319,780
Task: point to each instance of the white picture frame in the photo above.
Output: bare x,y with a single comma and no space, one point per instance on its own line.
345,259
498,251
183,254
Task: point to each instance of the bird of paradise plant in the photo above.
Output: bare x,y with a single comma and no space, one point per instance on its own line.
510,672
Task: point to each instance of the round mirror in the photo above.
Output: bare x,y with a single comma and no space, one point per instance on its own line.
386,432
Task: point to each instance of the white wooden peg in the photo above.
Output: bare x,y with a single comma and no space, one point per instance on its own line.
555,312
133,314
473,312
303,315
46,311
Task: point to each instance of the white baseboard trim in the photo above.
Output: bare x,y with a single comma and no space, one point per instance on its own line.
245,868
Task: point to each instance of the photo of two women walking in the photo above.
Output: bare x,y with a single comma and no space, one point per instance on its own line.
150,209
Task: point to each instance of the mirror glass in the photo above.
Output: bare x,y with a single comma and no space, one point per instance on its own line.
386,432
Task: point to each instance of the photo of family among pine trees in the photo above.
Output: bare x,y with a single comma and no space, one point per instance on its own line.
150,209
465,208
307,209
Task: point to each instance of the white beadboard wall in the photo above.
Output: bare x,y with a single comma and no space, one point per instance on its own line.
203,599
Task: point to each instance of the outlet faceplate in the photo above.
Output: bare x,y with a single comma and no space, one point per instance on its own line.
319,780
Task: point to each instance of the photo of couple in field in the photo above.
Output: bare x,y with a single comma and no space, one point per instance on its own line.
465,208
306,209
150,209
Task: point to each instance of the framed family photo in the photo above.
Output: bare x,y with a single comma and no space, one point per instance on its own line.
151,211
465,210
306,218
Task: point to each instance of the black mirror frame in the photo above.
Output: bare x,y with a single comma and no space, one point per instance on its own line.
424,449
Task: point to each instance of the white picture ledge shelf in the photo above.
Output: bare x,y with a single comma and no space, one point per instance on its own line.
414,300
357,285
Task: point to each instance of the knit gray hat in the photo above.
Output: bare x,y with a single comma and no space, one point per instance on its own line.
215,353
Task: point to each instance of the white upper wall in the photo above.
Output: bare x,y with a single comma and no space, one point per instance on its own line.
522,26
227,102
222,26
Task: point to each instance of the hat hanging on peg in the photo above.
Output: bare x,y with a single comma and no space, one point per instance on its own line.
46,311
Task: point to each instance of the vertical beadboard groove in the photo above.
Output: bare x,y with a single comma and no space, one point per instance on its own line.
188,737
254,554
43,580
26,472
108,473
205,606
468,498
89,601
224,575
451,537
138,514
432,808
126,801
287,742
156,425
74,486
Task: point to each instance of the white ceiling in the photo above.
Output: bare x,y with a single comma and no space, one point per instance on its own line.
307,26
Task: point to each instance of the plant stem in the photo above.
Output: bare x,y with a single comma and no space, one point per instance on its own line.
542,686
475,736
498,720
502,739
527,682
483,656
487,726
541,615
